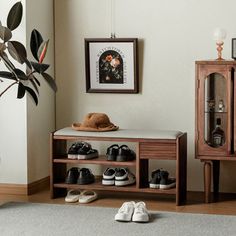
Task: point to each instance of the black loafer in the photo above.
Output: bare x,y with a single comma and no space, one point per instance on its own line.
72,175
125,154
112,152
85,176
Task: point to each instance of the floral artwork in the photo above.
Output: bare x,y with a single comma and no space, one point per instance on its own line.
111,65
111,68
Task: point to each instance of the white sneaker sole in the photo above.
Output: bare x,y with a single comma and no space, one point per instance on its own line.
86,157
124,183
154,185
167,186
108,182
121,177
140,218
72,156
123,217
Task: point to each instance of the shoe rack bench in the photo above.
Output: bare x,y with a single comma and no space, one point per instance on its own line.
150,144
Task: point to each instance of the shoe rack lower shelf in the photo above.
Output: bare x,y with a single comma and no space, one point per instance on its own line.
97,185
150,144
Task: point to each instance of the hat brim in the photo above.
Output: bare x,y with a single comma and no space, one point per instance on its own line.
79,127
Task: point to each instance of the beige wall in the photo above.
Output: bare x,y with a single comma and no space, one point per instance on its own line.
25,128
41,118
172,35
13,127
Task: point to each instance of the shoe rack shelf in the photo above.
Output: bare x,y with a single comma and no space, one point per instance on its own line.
150,145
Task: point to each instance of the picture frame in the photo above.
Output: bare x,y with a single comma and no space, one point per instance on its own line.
233,48
111,65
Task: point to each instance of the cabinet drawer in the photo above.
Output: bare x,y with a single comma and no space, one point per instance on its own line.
156,150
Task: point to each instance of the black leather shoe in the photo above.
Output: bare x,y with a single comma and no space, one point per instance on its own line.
72,175
112,152
85,176
125,154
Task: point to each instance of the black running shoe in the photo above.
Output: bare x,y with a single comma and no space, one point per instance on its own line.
108,177
156,178
166,182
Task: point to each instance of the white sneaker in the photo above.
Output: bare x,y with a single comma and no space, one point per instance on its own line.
125,212
140,213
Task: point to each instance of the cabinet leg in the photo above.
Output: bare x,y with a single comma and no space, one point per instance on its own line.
207,180
216,176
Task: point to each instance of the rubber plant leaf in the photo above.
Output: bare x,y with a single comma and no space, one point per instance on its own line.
27,62
35,41
42,50
5,33
34,85
36,80
17,51
40,68
7,75
21,90
50,81
14,16
7,62
33,94
2,47
20,74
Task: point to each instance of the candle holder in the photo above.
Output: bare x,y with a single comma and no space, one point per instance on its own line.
219,36
219,50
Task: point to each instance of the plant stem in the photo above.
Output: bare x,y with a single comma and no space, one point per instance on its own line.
16,82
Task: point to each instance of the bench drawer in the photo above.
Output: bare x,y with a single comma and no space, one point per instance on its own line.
156,150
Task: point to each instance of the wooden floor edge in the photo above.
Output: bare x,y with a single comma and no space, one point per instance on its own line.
25,189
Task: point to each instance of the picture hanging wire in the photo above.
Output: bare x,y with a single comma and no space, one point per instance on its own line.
113,34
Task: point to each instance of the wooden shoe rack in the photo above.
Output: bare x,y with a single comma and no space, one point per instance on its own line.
150,144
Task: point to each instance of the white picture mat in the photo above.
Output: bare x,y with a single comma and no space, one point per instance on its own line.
126,49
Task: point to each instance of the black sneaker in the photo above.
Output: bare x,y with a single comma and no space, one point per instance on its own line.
73,150
156,178
121,173
85,176
112,152
85,155
166,182
130,179
125,154
72,175
108,177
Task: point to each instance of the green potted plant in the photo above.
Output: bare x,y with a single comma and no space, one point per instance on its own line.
26,81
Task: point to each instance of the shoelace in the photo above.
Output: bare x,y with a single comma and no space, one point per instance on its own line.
126,207
140,207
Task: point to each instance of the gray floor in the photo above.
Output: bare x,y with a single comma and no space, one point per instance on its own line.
51,219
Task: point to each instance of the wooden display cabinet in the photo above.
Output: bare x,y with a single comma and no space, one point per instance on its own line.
215,118
156,145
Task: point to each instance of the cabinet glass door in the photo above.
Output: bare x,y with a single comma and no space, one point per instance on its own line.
215,110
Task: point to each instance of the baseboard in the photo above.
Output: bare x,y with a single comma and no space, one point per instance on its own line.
25,189
38,185
15,189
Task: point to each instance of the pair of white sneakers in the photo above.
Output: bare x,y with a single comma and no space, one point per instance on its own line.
131,211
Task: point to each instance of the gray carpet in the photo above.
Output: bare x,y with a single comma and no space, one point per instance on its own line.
50,219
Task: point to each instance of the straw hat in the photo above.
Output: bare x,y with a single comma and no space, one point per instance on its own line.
95,122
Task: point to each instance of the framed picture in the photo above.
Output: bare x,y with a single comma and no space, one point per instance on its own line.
234,48
111,65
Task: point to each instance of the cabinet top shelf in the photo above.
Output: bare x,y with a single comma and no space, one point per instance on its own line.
121,133
216,62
